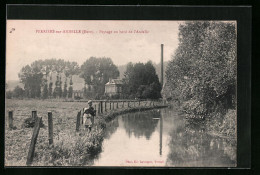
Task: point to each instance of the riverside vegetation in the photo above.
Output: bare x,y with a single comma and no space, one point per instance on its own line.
202,75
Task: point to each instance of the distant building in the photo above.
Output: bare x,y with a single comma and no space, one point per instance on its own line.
113,87
78,94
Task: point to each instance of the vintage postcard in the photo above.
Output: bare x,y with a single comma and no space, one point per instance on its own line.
128,93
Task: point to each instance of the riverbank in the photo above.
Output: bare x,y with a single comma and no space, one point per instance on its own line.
217,123
86,146
70,148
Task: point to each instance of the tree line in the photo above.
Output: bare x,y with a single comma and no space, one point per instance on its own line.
202,73
44,79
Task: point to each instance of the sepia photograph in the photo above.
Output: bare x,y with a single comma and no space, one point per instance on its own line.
121,93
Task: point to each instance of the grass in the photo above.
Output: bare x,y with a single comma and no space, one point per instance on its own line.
70,148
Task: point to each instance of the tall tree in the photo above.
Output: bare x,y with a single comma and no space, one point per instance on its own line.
141,81
97,71
202,72
31,77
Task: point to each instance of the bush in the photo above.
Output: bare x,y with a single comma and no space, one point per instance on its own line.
30,122
9,94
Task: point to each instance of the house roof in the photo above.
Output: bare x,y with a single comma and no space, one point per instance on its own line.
114,81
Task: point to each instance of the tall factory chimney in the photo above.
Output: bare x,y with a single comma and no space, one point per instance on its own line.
162,65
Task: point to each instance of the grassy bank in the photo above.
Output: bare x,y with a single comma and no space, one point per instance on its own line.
219,122
70,148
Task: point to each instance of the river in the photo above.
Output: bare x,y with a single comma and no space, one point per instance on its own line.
163,138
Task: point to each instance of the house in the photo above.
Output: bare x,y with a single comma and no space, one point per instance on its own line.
113,87
78,94
79,91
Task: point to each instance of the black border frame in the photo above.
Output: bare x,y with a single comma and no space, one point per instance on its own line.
242,14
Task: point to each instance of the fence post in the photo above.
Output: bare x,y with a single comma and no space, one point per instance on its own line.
82,116
139,102
33,140
110,105
128,105
123,104
113,105
101,104
78,121
117,105
50,128
10,119
105,106
34,114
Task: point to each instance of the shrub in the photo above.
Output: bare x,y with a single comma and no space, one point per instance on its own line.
30,122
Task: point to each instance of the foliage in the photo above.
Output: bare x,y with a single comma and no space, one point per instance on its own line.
97,71
9,94
18,92
37,75
202,73
31,77
141,81
65,91
30,122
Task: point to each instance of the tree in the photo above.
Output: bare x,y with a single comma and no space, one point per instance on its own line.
18,92
70,89
202,73
141,81
31,77
45,91
65,91
97,71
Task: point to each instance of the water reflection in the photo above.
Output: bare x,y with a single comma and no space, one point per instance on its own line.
146,138
190,145
161,131
140,124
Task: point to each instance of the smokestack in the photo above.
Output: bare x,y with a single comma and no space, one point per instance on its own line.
162,64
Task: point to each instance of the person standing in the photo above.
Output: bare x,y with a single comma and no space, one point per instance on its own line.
89,114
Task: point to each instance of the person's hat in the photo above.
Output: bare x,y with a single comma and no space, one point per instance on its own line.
90,101
85,109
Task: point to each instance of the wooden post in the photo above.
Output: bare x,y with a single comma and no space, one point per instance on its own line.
128,104
34,114
123,104
113,105
110,105
50,128
139,102
78,121
10,119
33,141
117,105
101,105
82,116
134,103
105,106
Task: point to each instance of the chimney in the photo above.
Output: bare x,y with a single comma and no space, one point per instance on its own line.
162,65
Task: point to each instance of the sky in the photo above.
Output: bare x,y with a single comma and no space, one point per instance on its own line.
122,41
